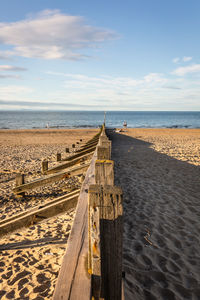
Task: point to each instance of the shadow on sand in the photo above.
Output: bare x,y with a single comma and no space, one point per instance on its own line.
161,241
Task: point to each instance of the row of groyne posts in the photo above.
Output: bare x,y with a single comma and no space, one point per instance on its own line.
103,263
92,265
105,227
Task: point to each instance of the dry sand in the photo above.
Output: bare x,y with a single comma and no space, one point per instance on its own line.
159,172
30,263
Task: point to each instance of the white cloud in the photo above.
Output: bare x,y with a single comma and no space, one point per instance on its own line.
17,92
185,70
83,81
11,68
155,78
52,35
184,59
176,60
4,76
187,58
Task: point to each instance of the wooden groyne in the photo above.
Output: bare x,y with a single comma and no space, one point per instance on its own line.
92,264
57,205
38,213
82,157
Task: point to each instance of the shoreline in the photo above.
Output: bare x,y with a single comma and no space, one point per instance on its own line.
92,128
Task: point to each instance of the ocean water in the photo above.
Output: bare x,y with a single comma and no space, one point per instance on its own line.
94,119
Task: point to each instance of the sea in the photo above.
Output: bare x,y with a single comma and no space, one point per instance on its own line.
94,119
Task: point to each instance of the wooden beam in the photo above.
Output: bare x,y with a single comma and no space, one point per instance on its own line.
107,201
94,251
39,213
45,180
104,172
106,143
88,146
103,138
103,152
70,163
94,139
74,281
91,149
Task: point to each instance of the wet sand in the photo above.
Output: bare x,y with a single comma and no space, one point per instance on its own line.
159,172
30,258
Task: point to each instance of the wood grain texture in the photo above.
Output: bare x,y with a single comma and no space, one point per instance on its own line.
71,163
104,172
103,152
82,152
74,281
48,179
39,213
108,200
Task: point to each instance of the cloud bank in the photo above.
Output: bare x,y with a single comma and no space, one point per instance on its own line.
51,35
11,68
186,70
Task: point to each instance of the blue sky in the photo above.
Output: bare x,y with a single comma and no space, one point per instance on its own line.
100,55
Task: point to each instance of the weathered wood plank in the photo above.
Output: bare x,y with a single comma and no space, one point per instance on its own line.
106,143
85,151
39,213
74,280
104,172
88,146
70,163
109,201
95,137
94,253
103,152
48,179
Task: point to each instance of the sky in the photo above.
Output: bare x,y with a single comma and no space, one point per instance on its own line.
136,55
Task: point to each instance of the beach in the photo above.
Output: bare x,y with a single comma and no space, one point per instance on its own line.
31,259
158,170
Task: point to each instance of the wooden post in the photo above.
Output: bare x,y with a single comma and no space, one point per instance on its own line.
103,152
81,140
44,166
20,179
58,156
108,144
103,138
94,255
73,145
104,172
105,241
67,150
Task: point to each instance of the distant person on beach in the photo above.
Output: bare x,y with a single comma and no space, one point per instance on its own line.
125,125
47,126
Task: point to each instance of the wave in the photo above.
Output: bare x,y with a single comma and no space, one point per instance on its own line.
180,126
